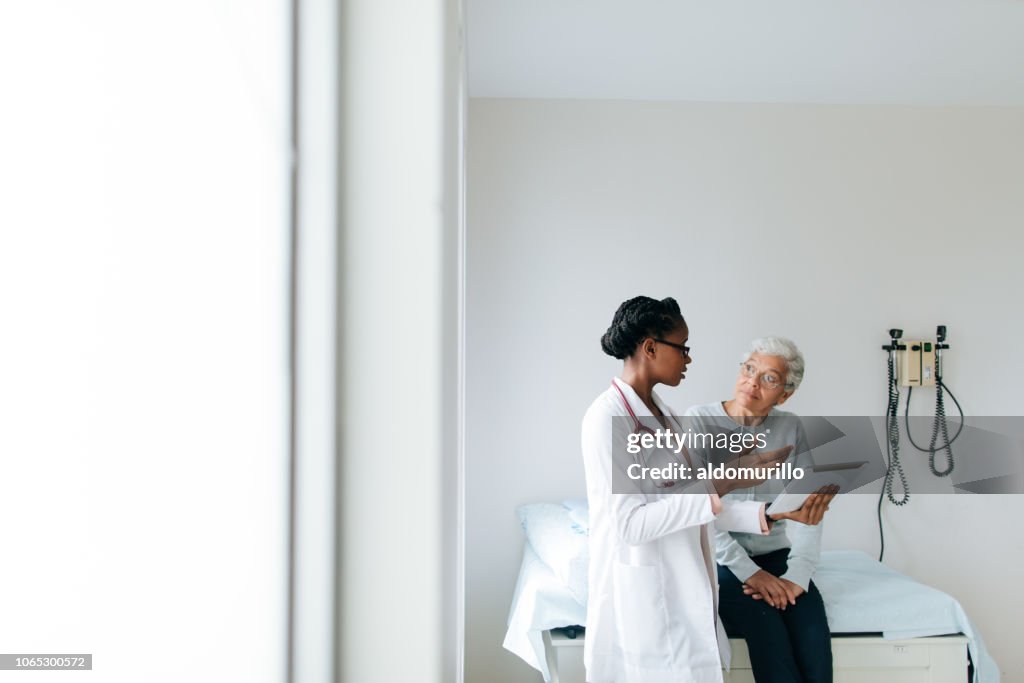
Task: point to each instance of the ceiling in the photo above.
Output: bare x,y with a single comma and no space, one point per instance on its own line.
968,52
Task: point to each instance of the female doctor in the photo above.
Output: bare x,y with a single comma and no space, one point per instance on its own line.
652,612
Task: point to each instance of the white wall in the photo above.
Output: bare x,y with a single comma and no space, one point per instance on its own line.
144,354
828,224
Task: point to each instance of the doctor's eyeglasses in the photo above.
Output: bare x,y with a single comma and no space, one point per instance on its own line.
683,348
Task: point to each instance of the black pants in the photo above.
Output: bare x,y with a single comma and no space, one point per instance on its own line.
791,646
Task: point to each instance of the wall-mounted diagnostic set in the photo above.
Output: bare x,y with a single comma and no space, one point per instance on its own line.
914,364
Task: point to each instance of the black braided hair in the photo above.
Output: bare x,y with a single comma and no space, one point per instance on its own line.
637,319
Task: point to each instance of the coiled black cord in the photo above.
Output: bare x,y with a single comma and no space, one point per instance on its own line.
892,450
938,425
893,446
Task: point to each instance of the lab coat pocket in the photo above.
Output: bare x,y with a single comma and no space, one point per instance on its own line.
641,621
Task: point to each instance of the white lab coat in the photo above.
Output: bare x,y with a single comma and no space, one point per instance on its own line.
652,612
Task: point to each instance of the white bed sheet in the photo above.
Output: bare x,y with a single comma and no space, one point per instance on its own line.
540,602
861,595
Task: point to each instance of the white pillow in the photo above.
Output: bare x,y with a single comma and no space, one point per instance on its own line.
579,514
563,549
576,504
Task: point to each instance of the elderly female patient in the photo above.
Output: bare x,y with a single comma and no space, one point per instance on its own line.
766,595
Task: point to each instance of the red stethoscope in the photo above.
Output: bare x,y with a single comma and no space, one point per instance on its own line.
638,428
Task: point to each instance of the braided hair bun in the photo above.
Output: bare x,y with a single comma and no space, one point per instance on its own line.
637,319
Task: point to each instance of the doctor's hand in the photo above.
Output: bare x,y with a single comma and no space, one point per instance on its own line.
814,508
770,588
750,459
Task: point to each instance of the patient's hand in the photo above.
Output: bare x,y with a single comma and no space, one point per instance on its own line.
814,508
770,588
793,591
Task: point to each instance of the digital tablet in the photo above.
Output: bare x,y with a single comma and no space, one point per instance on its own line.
841,474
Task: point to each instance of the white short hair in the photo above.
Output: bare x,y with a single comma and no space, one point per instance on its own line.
784,349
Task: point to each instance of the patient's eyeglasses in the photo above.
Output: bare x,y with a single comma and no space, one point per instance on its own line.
683,348
768,380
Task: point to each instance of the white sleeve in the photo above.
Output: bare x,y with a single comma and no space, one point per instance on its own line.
735,515
639,521
637,517
741,515
729,553
806,540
